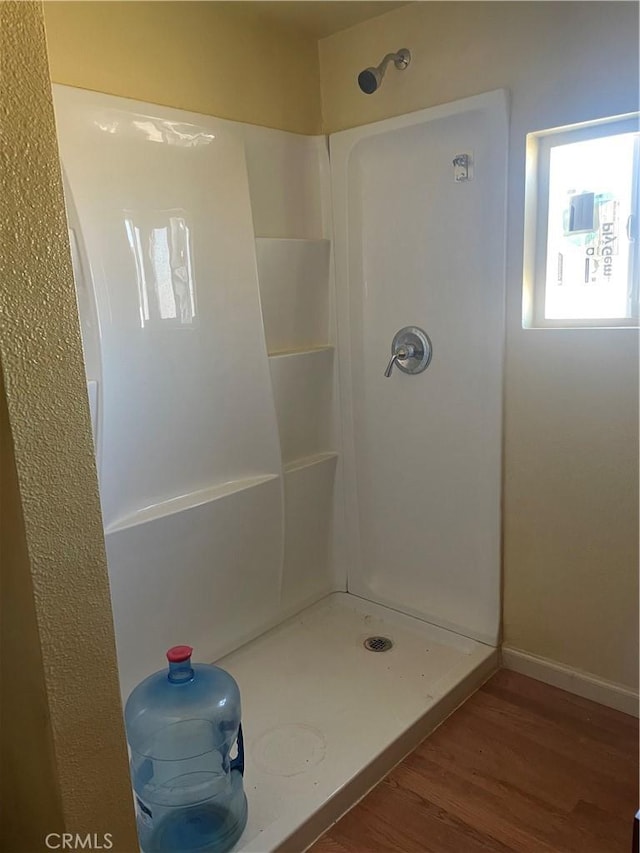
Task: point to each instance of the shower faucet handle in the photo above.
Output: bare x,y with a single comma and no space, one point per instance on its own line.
402,353
392,361
411,351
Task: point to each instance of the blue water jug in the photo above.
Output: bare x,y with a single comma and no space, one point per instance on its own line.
182,726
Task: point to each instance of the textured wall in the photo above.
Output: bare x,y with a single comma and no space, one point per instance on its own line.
41,357
196,56
29,793
571,445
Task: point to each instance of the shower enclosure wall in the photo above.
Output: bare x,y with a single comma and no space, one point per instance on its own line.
258,472
214,430
420,244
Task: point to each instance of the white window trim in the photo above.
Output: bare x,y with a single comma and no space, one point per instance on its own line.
539,145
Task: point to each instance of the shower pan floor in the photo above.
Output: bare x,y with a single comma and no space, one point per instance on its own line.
325,719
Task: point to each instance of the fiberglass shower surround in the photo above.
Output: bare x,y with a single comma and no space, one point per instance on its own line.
258,471
228,461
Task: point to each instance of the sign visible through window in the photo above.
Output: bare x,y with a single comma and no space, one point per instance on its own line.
586,225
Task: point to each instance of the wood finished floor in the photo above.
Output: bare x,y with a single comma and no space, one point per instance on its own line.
520,767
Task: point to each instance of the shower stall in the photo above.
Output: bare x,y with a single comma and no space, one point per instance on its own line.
269,495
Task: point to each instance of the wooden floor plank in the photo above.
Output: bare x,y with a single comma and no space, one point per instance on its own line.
522,767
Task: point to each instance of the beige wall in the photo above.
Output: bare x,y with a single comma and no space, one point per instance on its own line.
64,739
29,793
200,56
571,446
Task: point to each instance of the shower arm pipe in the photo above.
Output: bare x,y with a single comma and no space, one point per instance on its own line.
390,57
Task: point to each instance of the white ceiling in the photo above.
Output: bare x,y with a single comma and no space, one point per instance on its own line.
318,19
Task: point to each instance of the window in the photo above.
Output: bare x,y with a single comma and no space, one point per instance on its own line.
581,225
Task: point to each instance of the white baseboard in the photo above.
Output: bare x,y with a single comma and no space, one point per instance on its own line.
573,680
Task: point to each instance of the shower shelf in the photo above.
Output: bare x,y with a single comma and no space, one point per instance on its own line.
293,276
300,351
309,461
180,503
311,240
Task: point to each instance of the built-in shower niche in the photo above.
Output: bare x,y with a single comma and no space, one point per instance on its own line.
303,390
294,291
288,179
293,276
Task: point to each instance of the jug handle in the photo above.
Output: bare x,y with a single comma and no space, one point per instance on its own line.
237,763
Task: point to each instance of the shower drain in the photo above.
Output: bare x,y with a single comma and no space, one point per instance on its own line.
378,644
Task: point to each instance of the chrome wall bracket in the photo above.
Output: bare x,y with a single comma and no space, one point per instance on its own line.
462,168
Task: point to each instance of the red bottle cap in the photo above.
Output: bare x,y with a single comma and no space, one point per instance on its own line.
178,654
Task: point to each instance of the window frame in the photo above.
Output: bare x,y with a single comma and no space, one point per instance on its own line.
539,145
